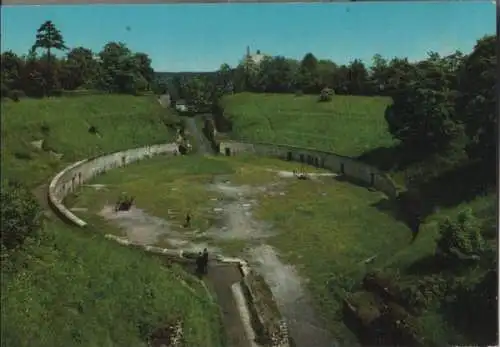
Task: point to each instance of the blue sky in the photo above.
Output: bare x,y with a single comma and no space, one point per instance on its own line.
200,37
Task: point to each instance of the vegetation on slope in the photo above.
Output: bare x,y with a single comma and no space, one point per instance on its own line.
349,125
69,288
77,128
62,287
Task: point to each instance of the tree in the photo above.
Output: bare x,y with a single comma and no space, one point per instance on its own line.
198,93
49,37
80,68
308,79
422,115
326,72
21,215
11,68
113,58
477,100
224,79
275,75
143,63
379,75
33,79
400,73
423,119
122,71
358,78
341,80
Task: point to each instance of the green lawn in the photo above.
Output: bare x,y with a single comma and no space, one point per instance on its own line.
63,123
348,125
75,288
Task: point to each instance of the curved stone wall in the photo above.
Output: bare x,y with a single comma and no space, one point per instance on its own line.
66,181
336,163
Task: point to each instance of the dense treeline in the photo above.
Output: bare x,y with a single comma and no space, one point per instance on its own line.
115,69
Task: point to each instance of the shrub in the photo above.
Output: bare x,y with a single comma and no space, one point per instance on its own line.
461,239
56,92
47,145
299,92
21,215
4,90
124,202
16,95
23,154
45,128
326,95
93,130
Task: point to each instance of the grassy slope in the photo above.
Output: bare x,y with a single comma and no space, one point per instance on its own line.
122,121
349,125
83,290
76,288
352,125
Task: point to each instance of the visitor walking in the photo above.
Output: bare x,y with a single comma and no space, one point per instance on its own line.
199,264
205,261
187,222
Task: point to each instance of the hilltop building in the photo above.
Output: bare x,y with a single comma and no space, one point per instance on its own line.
255,58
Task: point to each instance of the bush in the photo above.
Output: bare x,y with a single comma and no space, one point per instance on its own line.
47,145
124,202
56,92
326,95
45,128
461,239
299,92
16,95
4,90
21,215
23,154
93,130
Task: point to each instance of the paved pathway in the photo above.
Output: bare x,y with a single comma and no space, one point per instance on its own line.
220,278
202,144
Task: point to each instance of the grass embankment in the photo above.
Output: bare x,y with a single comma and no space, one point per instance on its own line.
348,125
79,289
355,126
120,122
75,288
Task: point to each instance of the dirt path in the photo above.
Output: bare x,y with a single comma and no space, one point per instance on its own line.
292,299
286,285
220,278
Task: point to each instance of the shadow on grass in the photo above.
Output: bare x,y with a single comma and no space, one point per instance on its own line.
429,265
474,310
460,184
391,158
354,181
